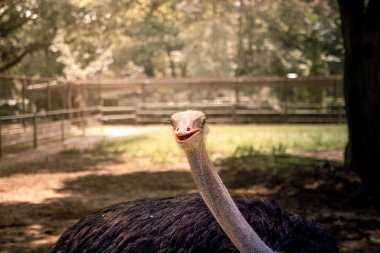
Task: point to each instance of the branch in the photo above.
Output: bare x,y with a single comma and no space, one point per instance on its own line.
6,11
11,28
18,58
14,61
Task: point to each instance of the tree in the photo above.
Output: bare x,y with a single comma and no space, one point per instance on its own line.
83,39
361,35
278,37
23,30
307,34
153,37
209,37
114,38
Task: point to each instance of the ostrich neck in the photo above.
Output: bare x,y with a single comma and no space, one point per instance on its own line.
221,205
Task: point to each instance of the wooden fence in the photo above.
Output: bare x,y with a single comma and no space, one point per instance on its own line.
224,100
278,94
143,101
229,113
33,129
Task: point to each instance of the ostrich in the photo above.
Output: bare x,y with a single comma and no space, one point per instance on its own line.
210,222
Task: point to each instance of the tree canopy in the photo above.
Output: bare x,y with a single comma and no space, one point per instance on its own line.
129,38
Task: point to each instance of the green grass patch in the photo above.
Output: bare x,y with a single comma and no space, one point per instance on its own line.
277,139
102,151
159,145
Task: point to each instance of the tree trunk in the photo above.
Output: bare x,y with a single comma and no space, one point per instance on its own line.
361,35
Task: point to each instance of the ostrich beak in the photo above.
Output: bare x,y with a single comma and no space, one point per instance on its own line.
184,136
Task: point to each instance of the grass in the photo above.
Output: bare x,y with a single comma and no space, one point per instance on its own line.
228,140
268,138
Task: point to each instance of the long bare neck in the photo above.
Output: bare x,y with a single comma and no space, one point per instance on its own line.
221,205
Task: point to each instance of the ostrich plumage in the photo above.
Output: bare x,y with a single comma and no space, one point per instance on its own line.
210,222
184,224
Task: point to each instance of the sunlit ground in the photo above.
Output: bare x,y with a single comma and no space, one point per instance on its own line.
118,131
158,145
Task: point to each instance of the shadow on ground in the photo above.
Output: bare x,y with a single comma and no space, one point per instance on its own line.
323,190
71,159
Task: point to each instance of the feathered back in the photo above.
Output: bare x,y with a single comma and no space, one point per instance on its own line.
184,224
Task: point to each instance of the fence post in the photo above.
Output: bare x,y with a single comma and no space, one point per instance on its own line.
236,104
99,91
341,109
1,140
35,143
62,127
286,96
68,99
83,122
143,93
48,97
23,102
189,93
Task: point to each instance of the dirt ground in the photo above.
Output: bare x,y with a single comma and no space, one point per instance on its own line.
40,199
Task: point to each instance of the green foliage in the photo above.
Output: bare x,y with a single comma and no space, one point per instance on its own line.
245,151
240,151
72,151
111,39
25,27
280,149
101,151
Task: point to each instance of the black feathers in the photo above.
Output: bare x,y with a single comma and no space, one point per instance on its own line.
184,224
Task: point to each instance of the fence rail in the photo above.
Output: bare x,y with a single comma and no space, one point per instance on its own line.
230,113
33,128
144,101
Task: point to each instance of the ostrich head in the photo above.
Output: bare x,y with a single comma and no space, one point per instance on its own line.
189,128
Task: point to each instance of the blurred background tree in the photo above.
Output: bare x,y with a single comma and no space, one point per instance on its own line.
84,39
113,39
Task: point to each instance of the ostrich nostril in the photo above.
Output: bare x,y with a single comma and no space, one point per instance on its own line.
177,129
188,129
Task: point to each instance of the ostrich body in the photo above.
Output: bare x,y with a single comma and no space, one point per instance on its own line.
210,222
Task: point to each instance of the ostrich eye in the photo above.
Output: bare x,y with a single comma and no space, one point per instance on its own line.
203,122
172,122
